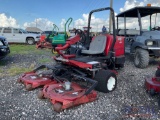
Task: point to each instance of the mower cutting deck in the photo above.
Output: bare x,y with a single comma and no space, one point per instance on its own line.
66,95
33,80
152,84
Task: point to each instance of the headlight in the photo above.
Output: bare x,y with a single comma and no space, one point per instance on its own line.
1,43
4,50
150,43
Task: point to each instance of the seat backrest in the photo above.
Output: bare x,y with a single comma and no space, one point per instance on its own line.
98,44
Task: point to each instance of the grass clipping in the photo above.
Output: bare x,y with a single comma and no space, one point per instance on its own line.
15,70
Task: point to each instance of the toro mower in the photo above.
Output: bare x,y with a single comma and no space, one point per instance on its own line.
45,41
94,68
60,39
152,84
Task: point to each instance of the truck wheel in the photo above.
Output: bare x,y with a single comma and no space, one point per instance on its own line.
141,58
30,41
107,81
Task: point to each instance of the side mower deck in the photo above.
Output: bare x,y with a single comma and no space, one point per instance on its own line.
152,83
43,45
33,80
63,99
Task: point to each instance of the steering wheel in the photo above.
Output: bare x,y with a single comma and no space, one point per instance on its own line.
82,35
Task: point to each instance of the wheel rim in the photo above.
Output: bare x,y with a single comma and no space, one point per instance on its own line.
30,41
54,52
111,83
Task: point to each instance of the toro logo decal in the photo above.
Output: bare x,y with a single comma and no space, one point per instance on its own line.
120,40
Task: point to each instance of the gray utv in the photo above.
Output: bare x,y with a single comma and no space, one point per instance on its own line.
142,44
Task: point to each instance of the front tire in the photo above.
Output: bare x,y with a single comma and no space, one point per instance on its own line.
141,58
107,81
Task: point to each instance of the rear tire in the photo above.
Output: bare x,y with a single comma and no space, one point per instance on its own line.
30,41
141,58
107,81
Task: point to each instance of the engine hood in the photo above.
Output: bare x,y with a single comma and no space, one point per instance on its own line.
151,34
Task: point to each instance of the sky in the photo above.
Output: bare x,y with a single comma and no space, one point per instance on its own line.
43,13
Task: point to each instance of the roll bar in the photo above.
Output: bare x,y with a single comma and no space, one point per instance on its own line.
113,21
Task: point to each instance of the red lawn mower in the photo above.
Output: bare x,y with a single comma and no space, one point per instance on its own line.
46,40
152,84
90,67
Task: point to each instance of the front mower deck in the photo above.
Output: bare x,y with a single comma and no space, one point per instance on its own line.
33,80
63,99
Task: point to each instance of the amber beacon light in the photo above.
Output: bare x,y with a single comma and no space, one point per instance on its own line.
148,5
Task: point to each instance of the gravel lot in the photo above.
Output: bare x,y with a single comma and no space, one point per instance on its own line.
18,104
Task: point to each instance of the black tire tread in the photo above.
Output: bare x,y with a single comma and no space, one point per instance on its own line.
157,74
32,39
102,77
144,58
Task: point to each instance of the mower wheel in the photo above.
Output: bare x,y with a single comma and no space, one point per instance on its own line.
159,103
53,51
107,81
19,81
157,74
28,87
141,58
57,107
41,95
152,92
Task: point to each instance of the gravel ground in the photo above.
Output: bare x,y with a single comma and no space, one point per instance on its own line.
18,104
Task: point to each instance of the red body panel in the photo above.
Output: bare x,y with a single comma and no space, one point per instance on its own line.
70,98
43,45
152,83
118,47
42,38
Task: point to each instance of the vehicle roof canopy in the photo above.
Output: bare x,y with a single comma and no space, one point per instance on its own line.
144,11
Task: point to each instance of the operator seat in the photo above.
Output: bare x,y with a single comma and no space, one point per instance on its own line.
97,46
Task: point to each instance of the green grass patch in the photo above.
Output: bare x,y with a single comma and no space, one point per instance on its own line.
3,62
15,70
45,60
26,49
1,71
